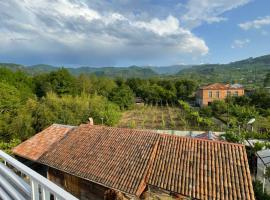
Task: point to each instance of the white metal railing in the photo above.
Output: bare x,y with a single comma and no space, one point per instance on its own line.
40,188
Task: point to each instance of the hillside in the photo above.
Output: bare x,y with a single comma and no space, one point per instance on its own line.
248,72
124,72
169,70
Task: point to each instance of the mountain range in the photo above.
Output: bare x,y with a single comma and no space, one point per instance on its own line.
247,71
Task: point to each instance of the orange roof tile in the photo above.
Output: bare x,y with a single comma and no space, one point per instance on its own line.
128,160
202,169
114,157
221,86
37,145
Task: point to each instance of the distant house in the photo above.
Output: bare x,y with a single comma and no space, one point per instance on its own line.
139,101
91,161
217,91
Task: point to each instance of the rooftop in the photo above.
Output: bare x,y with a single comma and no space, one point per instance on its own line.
221,86
128,160
40,143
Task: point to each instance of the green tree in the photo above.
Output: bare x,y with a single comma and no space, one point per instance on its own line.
122,96
267,80
185,88
218,107
258,191
60,82
10,97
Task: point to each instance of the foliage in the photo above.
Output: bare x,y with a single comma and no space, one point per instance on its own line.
7,146
158,90
258,146
194,117
185,88
267,173
206,111
10,97
22,114
250,72
218,107
123,97
74,110
260,99
258,191
267,80
60,82
230,136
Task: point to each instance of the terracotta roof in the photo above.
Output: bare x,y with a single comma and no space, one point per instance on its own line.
221,86
128,160
113,157
202,169
37,145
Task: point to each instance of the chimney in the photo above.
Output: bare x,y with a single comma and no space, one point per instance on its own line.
91,121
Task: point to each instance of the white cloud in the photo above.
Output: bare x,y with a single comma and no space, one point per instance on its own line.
256,24
161,27
240,43
72,32
209,11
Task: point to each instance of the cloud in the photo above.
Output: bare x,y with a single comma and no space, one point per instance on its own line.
209,11
240,43
256,24
72,32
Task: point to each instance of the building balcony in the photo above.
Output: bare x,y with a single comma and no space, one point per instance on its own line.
19,182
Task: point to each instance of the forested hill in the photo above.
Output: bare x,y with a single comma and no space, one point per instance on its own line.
124,72
248,72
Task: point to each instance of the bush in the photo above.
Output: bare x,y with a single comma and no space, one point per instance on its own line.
206,111
258,191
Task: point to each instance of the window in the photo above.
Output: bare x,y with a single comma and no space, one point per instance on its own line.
236,93
217,94
228,93
210,94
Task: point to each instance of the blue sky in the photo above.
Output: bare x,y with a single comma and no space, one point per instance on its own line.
125,32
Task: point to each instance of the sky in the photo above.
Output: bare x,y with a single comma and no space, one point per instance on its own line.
132,32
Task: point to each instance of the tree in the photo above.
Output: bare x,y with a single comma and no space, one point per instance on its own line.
104,86
241,100
122,96
135,84
260,99
85,84
206,111
61,82
267,80
218,107
258,191
10,97
185,88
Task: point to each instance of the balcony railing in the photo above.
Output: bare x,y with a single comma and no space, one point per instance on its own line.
19,182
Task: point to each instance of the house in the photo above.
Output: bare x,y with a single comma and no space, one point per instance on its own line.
217,91
139,101
91,161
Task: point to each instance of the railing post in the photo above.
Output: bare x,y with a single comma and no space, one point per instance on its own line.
35,193
45,194
39,188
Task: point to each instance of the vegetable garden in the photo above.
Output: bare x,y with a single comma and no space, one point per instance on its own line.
162,118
